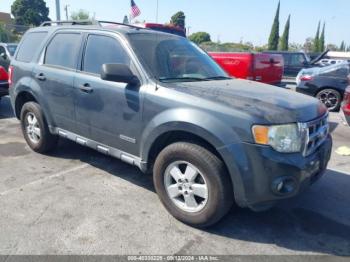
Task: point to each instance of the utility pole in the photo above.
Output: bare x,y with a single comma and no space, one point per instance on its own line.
157,11
66,10
58,10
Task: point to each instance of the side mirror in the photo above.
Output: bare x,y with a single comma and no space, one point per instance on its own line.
118,73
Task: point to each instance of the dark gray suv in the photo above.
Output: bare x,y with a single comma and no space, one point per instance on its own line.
157,101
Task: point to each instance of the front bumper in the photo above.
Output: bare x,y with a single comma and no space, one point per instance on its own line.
257,175
4,88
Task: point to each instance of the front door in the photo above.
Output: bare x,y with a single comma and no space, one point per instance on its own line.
107,112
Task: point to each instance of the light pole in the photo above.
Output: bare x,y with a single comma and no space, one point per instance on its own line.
157,12
58,10
66,10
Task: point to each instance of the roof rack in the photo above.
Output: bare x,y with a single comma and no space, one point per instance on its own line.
69,22
86,22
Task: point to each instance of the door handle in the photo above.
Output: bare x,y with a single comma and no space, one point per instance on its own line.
86,88
40,76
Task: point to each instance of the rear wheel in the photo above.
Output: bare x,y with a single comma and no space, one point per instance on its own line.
35,129
193,184
331,98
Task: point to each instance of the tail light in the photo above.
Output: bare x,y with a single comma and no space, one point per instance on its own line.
346,103
306,78
3,74
10,75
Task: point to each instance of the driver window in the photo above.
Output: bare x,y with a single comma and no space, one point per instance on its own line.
103,50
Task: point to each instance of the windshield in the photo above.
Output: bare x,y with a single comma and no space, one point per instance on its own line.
170,58
12,49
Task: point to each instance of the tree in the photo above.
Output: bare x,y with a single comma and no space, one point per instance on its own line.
178,19
30,12
274,35
295,47
200,37
332,47
284,41
80,15
342,46
322,39
316,47
126,20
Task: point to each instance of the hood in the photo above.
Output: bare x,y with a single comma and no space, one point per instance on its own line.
265,103
321,56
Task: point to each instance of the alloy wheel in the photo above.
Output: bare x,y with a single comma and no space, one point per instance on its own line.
186,186
32,128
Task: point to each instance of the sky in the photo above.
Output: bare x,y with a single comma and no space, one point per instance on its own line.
227,20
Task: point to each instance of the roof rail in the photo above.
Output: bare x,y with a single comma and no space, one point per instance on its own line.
117,23
85,22
69,22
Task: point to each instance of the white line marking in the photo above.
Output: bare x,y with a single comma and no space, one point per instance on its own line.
62,173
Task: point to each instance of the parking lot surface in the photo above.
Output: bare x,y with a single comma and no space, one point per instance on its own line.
78,201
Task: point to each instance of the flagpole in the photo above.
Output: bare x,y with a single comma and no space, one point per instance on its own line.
157,11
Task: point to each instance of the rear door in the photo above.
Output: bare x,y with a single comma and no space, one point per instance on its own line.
55,75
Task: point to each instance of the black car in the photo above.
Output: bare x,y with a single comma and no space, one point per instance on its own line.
296,61
328,84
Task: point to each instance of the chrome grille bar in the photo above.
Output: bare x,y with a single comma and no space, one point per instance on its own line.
316,132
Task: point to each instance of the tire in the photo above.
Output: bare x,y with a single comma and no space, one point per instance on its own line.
218,196
40,142
331,98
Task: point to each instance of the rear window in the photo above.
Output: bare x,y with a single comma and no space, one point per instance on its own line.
29,46
12,49
63,50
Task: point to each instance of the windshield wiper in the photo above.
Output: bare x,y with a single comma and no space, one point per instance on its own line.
218,78
185,79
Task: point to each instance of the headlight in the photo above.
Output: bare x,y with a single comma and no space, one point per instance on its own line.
282,138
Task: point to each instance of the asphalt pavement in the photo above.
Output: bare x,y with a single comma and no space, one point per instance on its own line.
78,201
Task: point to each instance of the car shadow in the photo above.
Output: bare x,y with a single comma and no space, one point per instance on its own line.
332,126
316,221
5,108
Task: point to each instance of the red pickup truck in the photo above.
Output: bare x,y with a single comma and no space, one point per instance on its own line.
3,82
261,67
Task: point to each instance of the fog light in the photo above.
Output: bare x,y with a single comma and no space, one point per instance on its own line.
284,186
280,186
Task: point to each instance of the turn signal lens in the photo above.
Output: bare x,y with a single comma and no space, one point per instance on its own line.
261,135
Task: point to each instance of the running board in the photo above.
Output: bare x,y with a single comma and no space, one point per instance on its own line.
107,150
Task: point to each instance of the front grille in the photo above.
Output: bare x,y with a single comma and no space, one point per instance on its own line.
316,133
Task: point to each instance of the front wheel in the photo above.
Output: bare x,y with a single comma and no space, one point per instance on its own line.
193,184
331,98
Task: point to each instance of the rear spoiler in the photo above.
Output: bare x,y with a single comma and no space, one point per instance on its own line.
319,57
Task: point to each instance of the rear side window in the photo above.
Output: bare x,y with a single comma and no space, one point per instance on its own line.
103,50
29,46
63,50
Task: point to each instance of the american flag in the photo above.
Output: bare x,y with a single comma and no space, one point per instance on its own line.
135,11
